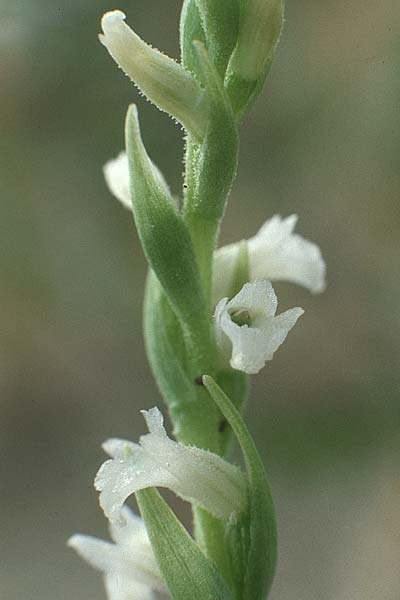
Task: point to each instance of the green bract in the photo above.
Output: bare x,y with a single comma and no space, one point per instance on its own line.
165,239
252,538
259,30
220,22
187,572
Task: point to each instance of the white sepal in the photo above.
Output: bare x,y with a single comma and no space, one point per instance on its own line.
275,253
129,567
253,343
195,475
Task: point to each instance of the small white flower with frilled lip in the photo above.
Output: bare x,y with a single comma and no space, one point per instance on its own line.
129,566
247,329
275,253
195,475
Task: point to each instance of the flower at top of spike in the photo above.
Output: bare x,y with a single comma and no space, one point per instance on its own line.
275,253
129,567
161,79
247,329
196,475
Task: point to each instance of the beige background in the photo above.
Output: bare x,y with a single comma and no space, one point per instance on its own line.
323,142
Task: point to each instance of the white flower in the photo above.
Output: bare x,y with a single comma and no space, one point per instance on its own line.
193,474
247,328
276,254
116,174
129,566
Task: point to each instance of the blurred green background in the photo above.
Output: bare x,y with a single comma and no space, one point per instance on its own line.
324,142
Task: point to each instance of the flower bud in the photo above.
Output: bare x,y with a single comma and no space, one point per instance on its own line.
164,81
259,30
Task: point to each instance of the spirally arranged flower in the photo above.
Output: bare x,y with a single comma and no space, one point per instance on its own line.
248,321
201,477
195,475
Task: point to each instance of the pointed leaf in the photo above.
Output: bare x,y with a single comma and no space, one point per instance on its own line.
261,552
187,572
190,29
221,25
259,30
217,158
165,238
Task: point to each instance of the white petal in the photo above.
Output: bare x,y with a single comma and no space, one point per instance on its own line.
259,299
101,555
252,345
195,475
132,559
118,448
122,588
278,254
116,174
132,529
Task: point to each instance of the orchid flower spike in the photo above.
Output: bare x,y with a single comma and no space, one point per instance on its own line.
129,566
247,329
275,253
195,475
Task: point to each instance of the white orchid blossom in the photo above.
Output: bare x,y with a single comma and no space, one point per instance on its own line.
129,566
247,329
275,253
196,475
